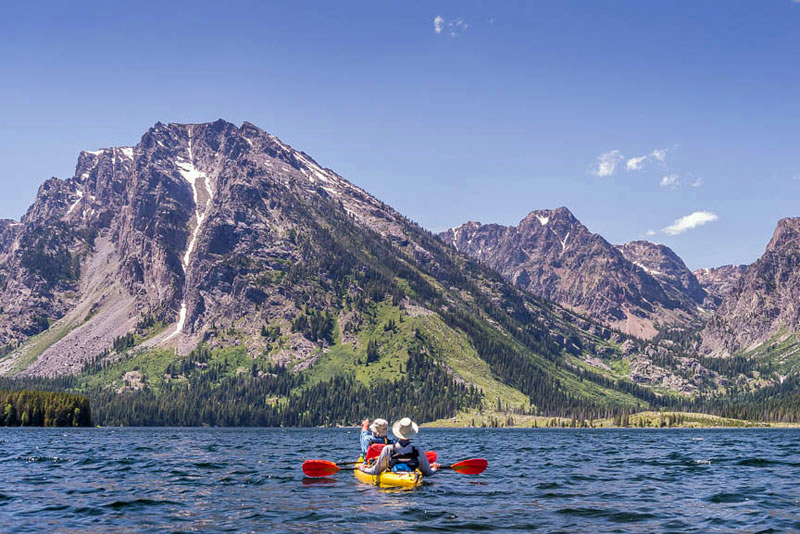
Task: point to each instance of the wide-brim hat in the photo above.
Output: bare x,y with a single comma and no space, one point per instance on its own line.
405,428
379,426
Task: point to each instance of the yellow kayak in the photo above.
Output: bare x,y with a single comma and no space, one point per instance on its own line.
389,479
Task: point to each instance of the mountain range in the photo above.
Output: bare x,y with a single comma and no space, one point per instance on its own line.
224,241
632,287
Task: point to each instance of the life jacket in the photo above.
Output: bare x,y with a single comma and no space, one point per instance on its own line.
374,451
406,456
380,440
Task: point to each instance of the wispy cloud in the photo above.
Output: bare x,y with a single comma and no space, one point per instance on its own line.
650,233
670,181
451,28
658,155
697,182
606,163
688,222
635,164
438,24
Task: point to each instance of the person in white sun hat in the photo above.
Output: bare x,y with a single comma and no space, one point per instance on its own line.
375,432
402,456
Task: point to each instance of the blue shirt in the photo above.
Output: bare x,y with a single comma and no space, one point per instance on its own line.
367,439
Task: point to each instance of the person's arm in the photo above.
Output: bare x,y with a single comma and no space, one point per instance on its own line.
366,440
381,465
425,466
365,436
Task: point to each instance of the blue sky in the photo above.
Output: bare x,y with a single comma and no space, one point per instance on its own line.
505,109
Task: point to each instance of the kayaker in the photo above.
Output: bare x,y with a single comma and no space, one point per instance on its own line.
402,456
377,432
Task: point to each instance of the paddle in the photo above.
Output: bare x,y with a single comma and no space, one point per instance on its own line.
322,468
325,468
473,466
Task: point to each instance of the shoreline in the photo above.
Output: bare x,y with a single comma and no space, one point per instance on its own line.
638,420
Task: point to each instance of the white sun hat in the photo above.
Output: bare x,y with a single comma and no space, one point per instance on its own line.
405,428
379,426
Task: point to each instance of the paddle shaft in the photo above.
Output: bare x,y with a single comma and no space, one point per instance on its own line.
430,454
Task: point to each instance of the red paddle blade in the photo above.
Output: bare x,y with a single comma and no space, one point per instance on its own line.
473,466
319,468
431,456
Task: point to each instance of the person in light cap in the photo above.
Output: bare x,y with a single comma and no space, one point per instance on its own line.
402,456
375,432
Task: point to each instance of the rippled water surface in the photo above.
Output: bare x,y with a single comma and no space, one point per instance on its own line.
249,480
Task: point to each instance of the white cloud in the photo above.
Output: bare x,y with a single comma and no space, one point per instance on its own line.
438,24
697,182
670,181
453,28
693,220
650,233
606,164
634,164
658,155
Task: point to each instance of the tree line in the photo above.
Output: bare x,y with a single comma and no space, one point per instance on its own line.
44,408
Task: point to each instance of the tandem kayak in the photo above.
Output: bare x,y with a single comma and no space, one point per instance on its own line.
390,479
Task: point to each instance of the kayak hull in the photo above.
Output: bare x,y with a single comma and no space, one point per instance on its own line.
389,479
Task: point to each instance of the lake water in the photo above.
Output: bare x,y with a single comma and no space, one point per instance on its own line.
249,480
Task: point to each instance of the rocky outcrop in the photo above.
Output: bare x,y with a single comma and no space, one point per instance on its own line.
551,254
764,302
718,281
668,269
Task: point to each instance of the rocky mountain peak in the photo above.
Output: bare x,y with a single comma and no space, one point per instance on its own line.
668,268
786,235
177,229
552,254
765,301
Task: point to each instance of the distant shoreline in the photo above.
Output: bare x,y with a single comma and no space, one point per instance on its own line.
792,426
639,420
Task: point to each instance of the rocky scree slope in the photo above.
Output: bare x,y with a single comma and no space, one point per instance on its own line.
224,235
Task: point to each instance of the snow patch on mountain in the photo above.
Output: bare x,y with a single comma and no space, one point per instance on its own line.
192,174
564,242
75,204
648,270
